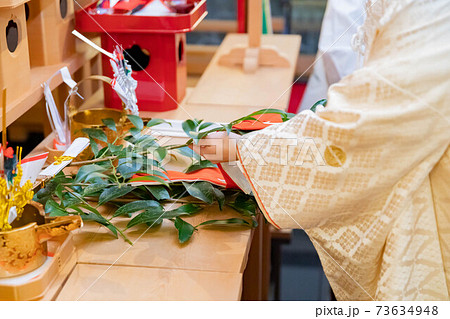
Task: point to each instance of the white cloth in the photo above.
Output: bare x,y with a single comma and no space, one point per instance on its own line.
378,212
335,58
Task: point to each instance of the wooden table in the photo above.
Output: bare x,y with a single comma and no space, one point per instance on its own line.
224,94
157,267
212,266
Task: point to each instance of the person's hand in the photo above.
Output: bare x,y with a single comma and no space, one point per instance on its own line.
218,147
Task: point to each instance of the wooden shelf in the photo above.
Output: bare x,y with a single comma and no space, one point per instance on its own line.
231,26
39,75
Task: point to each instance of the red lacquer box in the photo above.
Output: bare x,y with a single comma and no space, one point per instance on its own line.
154,46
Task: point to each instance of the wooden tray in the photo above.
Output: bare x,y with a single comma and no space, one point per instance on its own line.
35,285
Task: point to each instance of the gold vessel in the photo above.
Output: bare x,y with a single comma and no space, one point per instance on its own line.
24,248
80,119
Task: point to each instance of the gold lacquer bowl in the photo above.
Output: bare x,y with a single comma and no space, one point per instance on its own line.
24,248
92,118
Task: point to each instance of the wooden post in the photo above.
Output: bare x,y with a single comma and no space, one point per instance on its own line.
4,118
254,25
256,278
254,55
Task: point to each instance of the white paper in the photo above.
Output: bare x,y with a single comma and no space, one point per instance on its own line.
12,214
31,167
154,8
233,170
57,124
53,114
73,151
112,3
173,128
124,85
92,44
67,78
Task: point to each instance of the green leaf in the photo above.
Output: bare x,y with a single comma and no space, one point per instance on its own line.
76,209
89,208
228,128
220,197
189,126
226,222
93,189
95,133
113,229
245,205
137,206
96,178
185,230
161,153
86,170
154,173
53,209
110,124
127,171
189,209
101,152
94,146
59,192
135,132
96,218
73,195
197,136
150,178
145,141
245,118
200,165
284,115
147,217
204,125
188,152
201,190
155,223
71,200
322,102
115,149
159,192
153,216
139,193
154,122
46,193
113,193
136,121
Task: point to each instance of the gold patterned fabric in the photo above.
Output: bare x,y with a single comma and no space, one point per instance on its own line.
368,177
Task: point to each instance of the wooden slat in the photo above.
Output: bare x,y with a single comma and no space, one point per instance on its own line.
98,282
199,56
231,26
257,273
209,249
40,75
230,86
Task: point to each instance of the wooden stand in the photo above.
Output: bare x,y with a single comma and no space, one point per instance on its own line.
50,24
14,60
254,55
